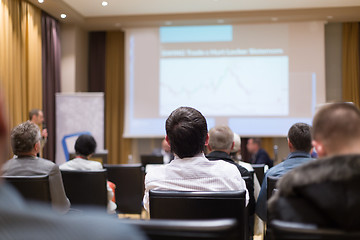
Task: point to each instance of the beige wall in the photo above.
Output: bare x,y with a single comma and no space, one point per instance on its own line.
333,52
74,55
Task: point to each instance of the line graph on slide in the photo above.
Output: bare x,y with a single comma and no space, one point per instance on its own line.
226,86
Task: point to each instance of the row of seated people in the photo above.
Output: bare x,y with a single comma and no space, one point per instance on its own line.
309,193
191,171
26,145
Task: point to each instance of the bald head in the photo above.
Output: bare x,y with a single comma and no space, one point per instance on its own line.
336,129
221,138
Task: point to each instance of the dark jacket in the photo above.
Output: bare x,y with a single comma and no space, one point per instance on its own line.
324,192
261,157
219,155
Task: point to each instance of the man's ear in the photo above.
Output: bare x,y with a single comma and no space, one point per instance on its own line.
37,147
290,144
207,140
319,147
167,140
232,145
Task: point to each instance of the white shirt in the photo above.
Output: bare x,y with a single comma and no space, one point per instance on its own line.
81,164
194,174
88,165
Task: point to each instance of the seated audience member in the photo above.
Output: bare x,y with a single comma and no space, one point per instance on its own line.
258,155
325,192
20,221
299,143
85,147
221,141
187,136
236,156
164,151
25,142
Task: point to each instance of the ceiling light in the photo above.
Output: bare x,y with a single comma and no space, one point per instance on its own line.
274,19
63,15
329,17
168,22
40,1
220,21
104,3
117,24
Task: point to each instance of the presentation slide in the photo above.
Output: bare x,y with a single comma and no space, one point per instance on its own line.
258,79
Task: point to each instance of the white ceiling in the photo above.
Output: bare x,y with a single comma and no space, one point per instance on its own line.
121,13
93,8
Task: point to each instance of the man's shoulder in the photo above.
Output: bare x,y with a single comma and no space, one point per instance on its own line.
335,169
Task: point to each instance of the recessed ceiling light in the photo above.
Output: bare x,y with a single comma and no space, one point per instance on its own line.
329,17
40,1
63,15
220,21
168,22
117,24
104,3
274,19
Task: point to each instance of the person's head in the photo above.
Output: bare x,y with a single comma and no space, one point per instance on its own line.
186,131
253,145
85,145
36,116
299,138
25,139
336,129
165,146
237,143
221,138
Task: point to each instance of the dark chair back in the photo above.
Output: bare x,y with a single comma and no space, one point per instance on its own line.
281,230
259,170
199,205
34,188
151,159
155,229
84,188
271,185
129,191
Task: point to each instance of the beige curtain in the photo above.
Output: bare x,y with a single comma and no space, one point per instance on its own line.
350,63
268,145
118,147
20,58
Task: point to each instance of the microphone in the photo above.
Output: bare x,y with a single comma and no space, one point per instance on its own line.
276,152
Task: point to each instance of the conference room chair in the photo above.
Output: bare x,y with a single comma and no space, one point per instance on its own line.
156,229
271,185
151,159
34,188
129,191
281,230
200,205
250,209
86,188
259,170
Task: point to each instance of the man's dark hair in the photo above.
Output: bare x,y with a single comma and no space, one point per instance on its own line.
300,137
337,125
85,145
33,112
186,130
